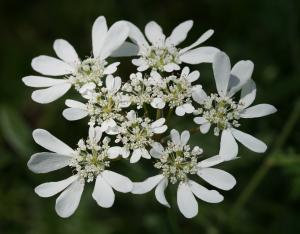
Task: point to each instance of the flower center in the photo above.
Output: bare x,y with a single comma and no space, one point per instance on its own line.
157,57
90,159
177,162
223,112
136,133
105,106
90,70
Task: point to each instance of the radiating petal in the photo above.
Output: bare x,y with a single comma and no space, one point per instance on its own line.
240,75
147,185
193,76
211,196
186,201
111,68
198,94
66,52
45,162
47,65
160,192
203,54
119,182
228,146
75,104
184,138
179,33
115,37
113,84
221,68
248,94
212,161
175,137
258,111
136,35
171,67
204,128
51,188
125,50
145,153
188,108
136,156
218,178
200,120
156,150
200,40
50,142
99,32
158,103
73,114
41,81
68,201
114,152
154,33
103,193
50,94
179,111
249,141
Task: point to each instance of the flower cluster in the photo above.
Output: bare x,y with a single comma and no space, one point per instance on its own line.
130,118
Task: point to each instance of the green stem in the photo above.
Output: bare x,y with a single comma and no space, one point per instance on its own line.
268,162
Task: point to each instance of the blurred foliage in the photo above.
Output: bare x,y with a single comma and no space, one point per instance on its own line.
266,198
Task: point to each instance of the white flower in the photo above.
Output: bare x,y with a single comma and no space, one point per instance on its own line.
103,107
222,111
74,71
176,162
89,162
176,92
136,135
162,53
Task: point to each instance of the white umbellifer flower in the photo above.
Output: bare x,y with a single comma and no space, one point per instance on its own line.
163,54
176,162
176,92
223,112
103,107
89,162
84,75
136,135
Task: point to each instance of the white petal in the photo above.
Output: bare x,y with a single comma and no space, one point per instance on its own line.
179,33
113,84
154,33
112,68
212,161
200,120
160,192
218,178
249,141
158,123
66,52
221,68
49,142
171,67
156,150
125,101
198,94
185,136
211,196
136,35
41,81
200,40
179,111
188,108
147,185
75,104
125,50
186,201
47,65
193,76
131,115
68,201
240,74
95,134
136,156
228,146
185,72
203,54
248,94
204,128
145,153
99,32
158,103
258,111
115,37
50,94
73,114
175,137
51,188
103,193
119,182
159,130
45,162
114,152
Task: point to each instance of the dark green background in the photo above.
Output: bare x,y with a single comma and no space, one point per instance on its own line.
266,197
